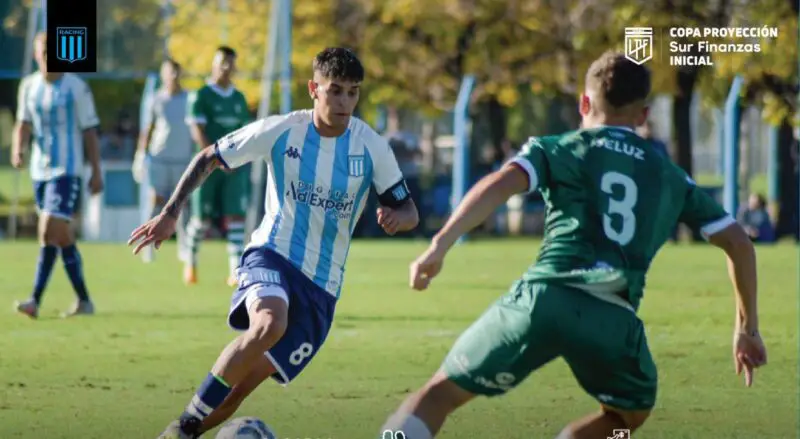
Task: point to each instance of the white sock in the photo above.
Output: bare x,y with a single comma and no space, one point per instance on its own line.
411,427
196,232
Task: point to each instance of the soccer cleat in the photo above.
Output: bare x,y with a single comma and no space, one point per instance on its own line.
174,431
28,307
189,275
80,308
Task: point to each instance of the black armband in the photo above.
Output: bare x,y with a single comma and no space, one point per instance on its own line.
396,195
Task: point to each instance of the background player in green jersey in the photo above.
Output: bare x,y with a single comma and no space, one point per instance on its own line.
612,201
215,110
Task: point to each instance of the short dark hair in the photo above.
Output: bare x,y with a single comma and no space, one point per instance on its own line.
171,61
227,51
617,80
339,63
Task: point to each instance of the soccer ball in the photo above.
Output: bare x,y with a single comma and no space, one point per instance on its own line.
246,428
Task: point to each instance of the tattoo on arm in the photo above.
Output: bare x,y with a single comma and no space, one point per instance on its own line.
203,164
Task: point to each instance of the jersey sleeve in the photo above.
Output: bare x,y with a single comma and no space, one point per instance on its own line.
386,177
252,142
23,111
84,102
533,161
702,212
196,112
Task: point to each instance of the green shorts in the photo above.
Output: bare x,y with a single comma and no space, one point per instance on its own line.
534,323
223,195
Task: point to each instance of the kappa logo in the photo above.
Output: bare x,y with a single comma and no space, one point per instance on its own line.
292,153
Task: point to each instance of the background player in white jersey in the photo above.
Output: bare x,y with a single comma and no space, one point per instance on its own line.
321,163
165,144
57,111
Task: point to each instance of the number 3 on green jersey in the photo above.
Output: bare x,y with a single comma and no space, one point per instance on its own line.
622,207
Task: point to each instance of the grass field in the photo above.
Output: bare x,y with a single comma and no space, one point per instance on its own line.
126,372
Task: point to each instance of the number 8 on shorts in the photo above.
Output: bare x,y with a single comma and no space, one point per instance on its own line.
298,355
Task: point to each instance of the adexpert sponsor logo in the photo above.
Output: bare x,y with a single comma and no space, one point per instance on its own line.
336,204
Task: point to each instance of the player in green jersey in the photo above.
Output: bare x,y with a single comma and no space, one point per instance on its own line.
215,110
612,201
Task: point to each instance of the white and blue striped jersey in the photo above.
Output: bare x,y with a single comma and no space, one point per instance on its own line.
59,113
316,188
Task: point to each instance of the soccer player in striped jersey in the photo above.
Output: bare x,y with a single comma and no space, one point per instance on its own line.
321,164
57,111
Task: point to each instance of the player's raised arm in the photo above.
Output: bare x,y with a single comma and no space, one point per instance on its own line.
21,136
702,212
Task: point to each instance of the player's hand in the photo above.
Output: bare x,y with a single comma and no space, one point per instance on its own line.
388,219
96,183
749,353
155,231
17,159
426,267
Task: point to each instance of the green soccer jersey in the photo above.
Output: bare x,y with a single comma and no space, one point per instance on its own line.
611,202
221,111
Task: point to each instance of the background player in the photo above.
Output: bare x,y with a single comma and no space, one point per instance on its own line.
57,111
215,110
320,167
165,145
613,201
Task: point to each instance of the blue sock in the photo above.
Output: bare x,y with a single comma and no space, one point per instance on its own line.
209,396
47,258
74,266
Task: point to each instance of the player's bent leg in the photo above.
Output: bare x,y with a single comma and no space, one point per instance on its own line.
494,355
605,346
423,413
605,424
268,321
266,308
262,370
73,264
48,253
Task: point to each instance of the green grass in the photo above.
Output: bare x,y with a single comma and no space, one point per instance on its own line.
128,371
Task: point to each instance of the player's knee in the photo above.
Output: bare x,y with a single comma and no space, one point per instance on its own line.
632,419
56,232
444,394
268,322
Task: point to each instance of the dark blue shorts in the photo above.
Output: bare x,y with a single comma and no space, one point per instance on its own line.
264,273
59,197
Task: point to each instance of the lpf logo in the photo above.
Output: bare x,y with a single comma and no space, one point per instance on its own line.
639,44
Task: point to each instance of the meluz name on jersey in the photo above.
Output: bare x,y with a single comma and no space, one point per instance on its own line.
618,146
